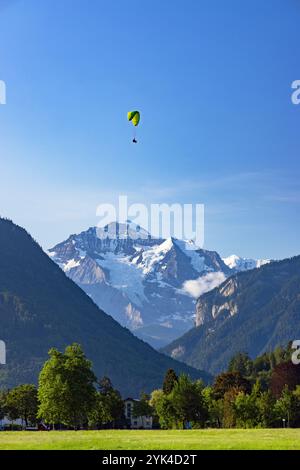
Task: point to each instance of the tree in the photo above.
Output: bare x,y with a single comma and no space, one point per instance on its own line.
169,381
229,410
100,413
115,405
105,385
263,363
284,374
164,409
185,403
265,405
21,402
228,380
143,407
188,402
214,407
246,410
155,398
296,397
283,406
111,400
66,387
287,407
281,354
53,389
109,406
241,363
262,366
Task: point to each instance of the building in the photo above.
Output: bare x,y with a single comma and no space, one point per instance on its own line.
8,424
5,422
136,422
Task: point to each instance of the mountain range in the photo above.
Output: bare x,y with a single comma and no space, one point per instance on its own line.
41,308
252,311
147,284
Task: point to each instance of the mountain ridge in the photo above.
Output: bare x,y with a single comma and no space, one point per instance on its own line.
147,284
40,308
251,311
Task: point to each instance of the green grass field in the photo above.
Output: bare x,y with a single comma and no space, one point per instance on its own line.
152,440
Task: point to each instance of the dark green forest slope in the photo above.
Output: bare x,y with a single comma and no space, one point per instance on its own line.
253,311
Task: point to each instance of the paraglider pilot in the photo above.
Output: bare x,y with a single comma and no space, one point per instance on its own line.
134,117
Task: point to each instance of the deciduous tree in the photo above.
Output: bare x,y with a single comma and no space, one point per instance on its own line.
21,402
169,381
66,387
228,380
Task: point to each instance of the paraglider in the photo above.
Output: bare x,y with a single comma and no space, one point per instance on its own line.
134,117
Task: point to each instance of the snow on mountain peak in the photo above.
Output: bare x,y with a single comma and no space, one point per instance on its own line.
118,230
237,263
185,245
153,256
142,281
166,245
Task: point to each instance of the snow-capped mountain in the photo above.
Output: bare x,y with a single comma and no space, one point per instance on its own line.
143,282
237,264
149,285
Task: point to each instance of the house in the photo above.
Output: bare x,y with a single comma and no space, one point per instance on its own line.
136,422
6,423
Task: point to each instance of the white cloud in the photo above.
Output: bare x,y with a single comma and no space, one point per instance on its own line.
203,284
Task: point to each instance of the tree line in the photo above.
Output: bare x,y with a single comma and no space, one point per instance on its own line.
259,393
68,395
264,392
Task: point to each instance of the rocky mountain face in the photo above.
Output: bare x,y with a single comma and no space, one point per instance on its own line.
148,285
252,311
41,308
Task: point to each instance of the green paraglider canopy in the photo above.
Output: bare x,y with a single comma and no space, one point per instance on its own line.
134,117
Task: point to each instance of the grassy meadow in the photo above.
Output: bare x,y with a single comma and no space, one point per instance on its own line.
207,439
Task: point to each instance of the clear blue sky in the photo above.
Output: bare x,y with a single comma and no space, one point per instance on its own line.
213,82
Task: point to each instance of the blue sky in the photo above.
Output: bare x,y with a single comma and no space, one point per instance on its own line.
212,80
